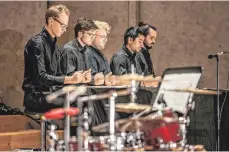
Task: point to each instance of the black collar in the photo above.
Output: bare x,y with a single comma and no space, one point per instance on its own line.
144,49
47,36
96,50
130,54
77,44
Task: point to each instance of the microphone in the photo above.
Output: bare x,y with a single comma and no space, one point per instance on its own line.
216,55
79,91
51,97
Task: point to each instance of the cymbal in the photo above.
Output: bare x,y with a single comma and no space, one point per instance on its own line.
194,90
108,87
130,107
137,77
142,124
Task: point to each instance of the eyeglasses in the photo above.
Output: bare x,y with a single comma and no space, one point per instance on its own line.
62,25
90,34
102,36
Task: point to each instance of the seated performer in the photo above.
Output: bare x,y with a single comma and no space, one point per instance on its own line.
73,53
97,60
150,34
41,64
99,64
122,60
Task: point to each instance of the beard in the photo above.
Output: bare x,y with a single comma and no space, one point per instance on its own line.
147,46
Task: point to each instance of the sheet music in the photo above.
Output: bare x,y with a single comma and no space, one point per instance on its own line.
177,100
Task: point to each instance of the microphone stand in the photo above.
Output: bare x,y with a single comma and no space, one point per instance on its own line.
218,108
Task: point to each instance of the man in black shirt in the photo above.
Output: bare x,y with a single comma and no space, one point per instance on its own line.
41,60
122,60
97,60
99,64
150,33
73,57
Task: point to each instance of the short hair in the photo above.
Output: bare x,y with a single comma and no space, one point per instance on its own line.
103,25
55,11
133,33
145,27
84,24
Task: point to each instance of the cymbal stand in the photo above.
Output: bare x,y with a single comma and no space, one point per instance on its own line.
113,145
184,121
83,128
133,85
53,137
67,124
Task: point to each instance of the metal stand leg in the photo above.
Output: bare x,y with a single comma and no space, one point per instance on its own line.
67,125
79,128
43,135
112,122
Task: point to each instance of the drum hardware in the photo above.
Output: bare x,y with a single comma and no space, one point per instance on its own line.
112,122
83,130
75,92
166,146
185,121
53,137
132,131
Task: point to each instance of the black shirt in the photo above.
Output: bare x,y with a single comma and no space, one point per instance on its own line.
97,61
41,62
121,62
120,65
145,58
73,58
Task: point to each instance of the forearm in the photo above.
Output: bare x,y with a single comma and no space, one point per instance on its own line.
46,79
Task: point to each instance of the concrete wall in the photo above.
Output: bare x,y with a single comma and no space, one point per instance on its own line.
187,33
18,22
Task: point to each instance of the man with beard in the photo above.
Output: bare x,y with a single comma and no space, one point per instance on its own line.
150,34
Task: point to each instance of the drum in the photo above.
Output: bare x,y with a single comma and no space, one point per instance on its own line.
95,144
168,131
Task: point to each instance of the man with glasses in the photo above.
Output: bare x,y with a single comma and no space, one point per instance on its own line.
41,62
73,53
99,64
97,60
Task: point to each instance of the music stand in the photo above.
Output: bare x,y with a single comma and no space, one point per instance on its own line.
177,78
